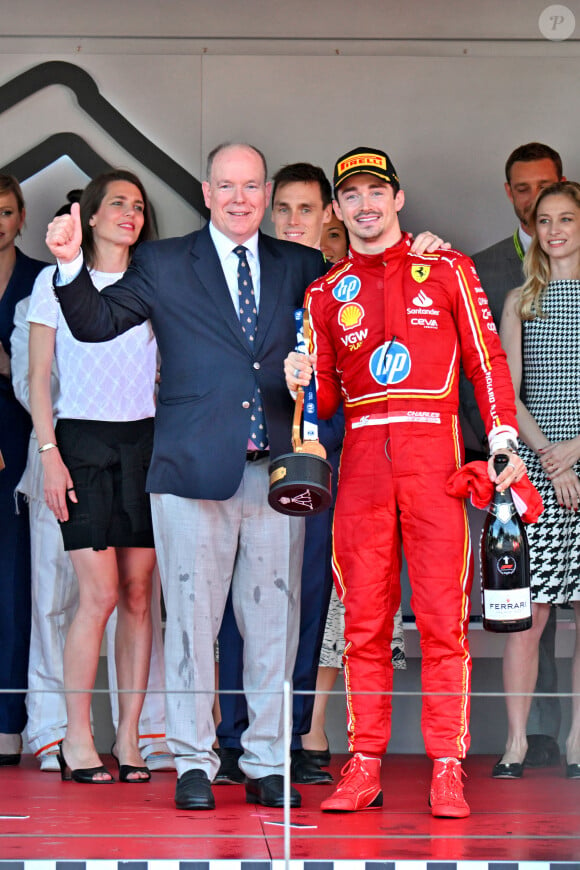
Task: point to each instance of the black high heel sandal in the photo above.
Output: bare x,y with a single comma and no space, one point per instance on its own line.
81,774
125,770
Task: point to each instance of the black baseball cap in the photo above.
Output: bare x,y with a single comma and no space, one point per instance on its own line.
369,160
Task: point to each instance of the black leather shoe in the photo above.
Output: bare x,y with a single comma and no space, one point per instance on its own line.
13,742
269,791
12,758
507,771
229,772
305,771
193,791
321,757
573,771
543,751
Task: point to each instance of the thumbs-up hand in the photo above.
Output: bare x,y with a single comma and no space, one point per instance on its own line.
64,235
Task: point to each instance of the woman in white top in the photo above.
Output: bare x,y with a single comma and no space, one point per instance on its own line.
95,463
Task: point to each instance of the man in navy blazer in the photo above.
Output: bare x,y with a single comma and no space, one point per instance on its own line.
208,481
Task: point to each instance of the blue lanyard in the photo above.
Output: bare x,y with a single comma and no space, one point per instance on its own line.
302,324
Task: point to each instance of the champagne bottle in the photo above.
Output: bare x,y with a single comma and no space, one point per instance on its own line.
505,565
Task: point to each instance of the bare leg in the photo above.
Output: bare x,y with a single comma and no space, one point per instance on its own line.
10,744
316,737
97,576
573,741
520,672
133,648
546,713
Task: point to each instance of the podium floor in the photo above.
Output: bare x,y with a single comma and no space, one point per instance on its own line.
45,823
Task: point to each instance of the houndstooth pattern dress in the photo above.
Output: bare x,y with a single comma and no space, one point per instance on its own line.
551,378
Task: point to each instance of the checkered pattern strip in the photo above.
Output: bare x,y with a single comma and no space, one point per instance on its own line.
278,864
551,382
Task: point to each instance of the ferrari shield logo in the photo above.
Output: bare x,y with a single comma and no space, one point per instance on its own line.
420,272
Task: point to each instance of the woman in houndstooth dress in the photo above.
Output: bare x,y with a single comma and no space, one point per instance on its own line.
541,336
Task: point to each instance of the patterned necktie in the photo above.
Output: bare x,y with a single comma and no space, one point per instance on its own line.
249,322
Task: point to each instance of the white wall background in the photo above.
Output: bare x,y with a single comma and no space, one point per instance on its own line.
447,88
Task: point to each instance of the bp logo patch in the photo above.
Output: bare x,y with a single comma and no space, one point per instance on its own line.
390,363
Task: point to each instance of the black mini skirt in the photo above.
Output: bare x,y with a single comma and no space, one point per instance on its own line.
108,463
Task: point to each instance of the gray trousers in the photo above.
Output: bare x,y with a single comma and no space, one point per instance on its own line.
202,547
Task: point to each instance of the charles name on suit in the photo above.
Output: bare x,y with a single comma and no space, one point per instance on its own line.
208,482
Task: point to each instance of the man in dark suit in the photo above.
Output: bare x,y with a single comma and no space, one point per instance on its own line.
223,413
529,169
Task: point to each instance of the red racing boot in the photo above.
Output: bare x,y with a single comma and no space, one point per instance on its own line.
446,797
359,788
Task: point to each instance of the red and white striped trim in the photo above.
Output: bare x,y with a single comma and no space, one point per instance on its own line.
386,419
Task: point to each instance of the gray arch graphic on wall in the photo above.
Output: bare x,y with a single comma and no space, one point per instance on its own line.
46,152
107,117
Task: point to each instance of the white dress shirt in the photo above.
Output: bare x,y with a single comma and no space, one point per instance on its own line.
229,262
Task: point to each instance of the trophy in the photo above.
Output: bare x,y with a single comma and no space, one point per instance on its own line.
300,482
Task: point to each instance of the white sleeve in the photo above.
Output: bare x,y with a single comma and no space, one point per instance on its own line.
502,438
44,306
67,272
19,353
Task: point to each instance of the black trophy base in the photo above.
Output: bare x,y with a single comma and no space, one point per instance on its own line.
300,484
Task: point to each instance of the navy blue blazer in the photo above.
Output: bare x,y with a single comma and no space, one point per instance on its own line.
208,371
19,286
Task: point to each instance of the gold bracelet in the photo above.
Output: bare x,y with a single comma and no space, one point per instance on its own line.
47,446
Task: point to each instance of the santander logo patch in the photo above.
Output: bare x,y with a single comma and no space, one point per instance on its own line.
421,300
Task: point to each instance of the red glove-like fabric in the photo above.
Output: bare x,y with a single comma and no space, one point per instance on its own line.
472,481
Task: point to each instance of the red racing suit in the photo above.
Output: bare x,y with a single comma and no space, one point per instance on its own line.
390,331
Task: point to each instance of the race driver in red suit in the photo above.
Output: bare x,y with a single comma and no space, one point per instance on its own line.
389,331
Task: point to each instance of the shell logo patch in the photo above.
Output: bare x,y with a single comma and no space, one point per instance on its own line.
351,315
420,272
347,289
